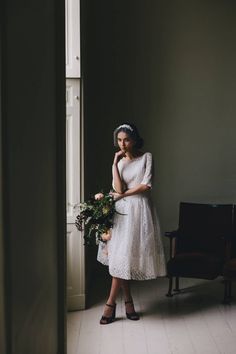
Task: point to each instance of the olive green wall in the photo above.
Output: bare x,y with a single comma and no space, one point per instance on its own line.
169,67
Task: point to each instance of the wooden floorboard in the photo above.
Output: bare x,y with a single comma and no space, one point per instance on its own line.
193,321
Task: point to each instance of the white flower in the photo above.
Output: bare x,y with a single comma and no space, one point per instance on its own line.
99,196
87,221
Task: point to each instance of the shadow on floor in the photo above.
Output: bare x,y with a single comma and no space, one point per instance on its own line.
196,295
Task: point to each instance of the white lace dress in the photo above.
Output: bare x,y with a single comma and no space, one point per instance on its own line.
135,250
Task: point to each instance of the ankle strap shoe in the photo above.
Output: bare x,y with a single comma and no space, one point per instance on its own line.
107,320
132,315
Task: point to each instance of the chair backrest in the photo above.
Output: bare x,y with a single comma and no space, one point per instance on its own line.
204,227
233,242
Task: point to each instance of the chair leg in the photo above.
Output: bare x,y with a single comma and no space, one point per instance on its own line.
225,300
169,294
227,291
230,290
177,289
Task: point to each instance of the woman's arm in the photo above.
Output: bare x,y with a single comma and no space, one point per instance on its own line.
117,182
140,188
145,184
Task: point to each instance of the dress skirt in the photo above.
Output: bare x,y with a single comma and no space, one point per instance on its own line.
135,250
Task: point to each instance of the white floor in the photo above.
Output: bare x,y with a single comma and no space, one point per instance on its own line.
194,321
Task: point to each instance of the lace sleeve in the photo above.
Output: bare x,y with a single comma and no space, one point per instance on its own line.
148,175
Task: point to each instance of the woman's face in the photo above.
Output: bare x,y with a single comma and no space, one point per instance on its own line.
126,144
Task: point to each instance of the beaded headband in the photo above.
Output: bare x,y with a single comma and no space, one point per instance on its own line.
125,126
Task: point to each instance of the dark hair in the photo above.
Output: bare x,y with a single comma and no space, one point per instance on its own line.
132,132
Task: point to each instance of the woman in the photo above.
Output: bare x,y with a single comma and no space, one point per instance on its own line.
134,250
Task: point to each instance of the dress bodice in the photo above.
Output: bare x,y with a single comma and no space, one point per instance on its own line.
136,171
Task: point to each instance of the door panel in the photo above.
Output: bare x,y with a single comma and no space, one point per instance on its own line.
72,9
72,147
75,269
75,247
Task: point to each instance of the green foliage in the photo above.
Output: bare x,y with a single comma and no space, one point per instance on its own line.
96,218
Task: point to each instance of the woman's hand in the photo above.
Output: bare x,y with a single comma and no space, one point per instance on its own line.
118,156
106,236
116,196
117,181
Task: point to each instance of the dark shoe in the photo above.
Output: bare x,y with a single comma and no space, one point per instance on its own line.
132,315
107,320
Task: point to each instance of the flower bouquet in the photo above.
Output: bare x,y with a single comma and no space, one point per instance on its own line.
96,218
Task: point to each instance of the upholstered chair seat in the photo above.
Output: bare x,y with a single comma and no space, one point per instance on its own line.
196,265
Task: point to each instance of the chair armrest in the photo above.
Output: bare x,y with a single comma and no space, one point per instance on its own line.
172,234
172,237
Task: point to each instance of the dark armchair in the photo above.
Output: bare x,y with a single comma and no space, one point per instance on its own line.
200,246
229,270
